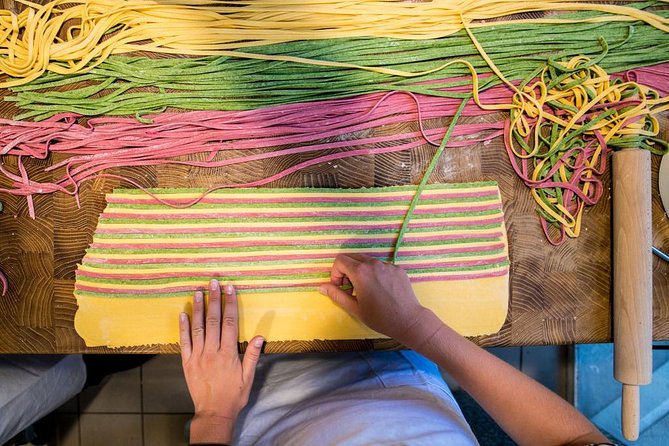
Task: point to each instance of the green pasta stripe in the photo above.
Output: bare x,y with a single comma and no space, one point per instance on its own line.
314,204
206,235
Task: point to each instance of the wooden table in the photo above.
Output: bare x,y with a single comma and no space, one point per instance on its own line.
559,295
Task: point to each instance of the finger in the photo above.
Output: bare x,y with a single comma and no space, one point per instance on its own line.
184,338
361,257
212,339
197,325
344,266
340,297
251,357
230,334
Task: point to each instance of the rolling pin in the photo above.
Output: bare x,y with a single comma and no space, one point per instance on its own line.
632,281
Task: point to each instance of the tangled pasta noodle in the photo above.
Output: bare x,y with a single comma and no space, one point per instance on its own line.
561,128
71,36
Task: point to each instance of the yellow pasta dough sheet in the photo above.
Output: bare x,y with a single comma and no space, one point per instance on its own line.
277,246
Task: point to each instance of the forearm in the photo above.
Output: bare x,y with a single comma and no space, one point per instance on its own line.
211,430
526,410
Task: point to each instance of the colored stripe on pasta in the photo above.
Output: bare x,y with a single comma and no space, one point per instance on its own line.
271,241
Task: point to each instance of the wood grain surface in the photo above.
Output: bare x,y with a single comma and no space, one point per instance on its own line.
559,295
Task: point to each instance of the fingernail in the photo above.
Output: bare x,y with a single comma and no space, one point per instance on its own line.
198,296
323,290
229,288
213,285
183,317
259,342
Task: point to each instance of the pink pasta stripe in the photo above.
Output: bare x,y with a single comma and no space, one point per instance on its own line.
4,282
346,212
212,199
295,242
195,272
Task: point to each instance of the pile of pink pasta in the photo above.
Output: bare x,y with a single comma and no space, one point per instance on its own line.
112,142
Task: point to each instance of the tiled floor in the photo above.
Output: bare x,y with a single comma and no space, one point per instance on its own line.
598,394
150,405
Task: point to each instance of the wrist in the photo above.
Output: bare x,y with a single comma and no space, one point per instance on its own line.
211,429
420,334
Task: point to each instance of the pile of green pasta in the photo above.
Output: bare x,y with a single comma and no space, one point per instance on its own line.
139,85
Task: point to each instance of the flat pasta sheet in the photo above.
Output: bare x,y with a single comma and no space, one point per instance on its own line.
277,246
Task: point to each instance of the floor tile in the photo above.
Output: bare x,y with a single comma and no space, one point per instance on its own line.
118,393
111,429
164,387
165,429
67,431
71,406
546,364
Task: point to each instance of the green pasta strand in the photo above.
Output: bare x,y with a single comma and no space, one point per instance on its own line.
425,179
222,83
343,203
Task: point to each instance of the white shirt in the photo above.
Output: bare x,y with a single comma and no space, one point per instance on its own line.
368,398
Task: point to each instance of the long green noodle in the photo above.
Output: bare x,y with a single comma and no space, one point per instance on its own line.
223,83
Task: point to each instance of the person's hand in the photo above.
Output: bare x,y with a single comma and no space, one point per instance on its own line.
381,298
218,382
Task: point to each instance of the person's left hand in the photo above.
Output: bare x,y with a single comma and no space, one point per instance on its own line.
218,381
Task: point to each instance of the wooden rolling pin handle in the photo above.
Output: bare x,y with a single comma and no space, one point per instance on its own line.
632,279
631,411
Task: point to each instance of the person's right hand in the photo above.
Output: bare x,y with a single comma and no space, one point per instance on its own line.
218,381
381,298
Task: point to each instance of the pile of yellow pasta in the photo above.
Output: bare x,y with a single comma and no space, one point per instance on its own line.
41,38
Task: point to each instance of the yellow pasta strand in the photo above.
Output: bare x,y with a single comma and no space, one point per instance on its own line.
43,38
